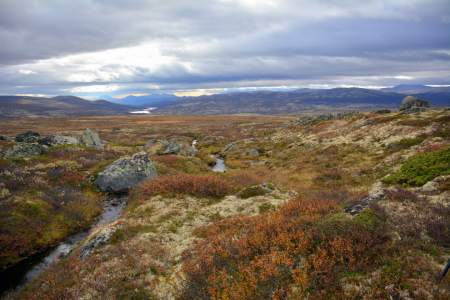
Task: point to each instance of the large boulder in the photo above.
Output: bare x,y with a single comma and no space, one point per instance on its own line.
29,136
90,138
411,102
25,150
126,173
165,147
57,139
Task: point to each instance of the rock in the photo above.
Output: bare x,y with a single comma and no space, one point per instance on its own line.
100,239
228,147
5,138
126,173
165,147
381,111
412,102
414,110
253,152
25,150
325,117
56,140
29,136
90,138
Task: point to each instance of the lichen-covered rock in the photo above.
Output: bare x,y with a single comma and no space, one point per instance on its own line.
25,150
412,102
5,138
253,152
90,138
165,147
126,173
29,136
57,139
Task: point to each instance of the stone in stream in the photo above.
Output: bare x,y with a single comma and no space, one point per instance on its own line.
126,173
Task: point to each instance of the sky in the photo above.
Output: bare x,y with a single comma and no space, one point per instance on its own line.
90,48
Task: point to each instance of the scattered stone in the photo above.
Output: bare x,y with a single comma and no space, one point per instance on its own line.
412,102
25,150
365,123
5,138
325,117
381,111
228,147
57,139
29,136
90,138
126,173
253,152
165,147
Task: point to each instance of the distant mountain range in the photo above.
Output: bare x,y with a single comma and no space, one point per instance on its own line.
261,102
17,107
298,101
146,100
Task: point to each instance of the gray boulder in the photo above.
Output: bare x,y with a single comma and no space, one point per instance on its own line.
57,139
90,138
253,153
165,147
25,150
29,136
126,173
5,138
412,102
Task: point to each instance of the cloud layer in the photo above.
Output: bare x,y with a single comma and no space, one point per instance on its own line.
93,47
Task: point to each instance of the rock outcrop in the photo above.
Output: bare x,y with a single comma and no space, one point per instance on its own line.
29,136
126,173
25,150
411,102
57,139
165,147
325,117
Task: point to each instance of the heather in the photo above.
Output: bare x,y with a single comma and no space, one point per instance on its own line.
273,226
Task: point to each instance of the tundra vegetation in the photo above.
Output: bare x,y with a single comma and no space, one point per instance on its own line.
272,226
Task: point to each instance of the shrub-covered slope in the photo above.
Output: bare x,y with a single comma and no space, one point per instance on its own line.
273,226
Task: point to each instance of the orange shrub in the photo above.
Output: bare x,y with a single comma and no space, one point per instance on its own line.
208,186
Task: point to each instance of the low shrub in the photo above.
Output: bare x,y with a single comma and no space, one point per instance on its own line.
405,143
422,168
205,186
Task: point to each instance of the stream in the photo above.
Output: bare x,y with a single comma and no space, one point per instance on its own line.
23,272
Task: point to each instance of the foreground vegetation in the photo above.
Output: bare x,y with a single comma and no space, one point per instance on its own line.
272,226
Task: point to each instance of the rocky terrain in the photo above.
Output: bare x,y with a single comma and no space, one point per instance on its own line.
350,205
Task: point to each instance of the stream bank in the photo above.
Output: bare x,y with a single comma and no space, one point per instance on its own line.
20,274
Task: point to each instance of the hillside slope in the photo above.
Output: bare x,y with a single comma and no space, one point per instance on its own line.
352,207
303,100
16,107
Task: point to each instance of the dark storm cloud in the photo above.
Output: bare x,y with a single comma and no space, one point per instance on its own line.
68,46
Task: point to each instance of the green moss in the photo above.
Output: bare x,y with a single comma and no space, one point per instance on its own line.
422,168
252,192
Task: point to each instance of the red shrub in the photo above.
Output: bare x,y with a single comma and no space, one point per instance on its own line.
208,186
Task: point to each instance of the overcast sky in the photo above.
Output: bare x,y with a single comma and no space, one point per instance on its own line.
119,47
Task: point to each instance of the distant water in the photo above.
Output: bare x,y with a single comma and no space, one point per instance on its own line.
144,111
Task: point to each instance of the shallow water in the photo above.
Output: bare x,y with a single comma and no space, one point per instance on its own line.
220,164
23,272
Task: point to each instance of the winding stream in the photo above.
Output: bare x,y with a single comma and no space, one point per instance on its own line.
23,272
